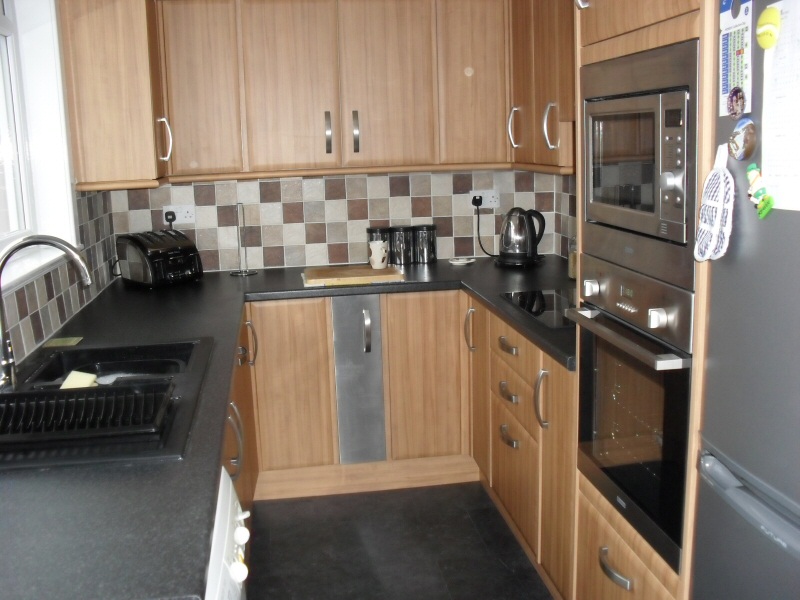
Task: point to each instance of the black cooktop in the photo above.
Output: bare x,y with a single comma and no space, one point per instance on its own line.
546,306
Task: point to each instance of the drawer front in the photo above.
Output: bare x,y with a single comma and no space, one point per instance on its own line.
606,564
515,472
519,353
515,395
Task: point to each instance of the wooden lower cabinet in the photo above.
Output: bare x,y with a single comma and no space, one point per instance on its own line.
605,538
425,374
515,472
294,383
476,334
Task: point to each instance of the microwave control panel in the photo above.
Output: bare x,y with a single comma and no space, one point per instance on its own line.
673,159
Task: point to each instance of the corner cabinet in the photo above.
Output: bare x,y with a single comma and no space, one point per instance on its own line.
118,133
604,19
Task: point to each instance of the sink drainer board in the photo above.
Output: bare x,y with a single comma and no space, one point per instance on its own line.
48,420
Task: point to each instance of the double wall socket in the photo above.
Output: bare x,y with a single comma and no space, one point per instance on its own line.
183,214
491,198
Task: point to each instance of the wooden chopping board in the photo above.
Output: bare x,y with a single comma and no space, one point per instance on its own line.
349,275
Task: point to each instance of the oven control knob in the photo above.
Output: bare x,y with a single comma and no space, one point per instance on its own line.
590,288
241,535
670,181
656,318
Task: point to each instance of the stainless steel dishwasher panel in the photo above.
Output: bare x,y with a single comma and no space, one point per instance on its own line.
359,378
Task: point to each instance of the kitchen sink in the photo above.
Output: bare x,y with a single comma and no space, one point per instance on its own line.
142,406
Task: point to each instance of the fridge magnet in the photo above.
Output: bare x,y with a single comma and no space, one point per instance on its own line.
736,103
758,191
735,24
716,210
768,27
742,142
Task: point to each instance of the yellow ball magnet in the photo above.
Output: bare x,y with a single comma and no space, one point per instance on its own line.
768,27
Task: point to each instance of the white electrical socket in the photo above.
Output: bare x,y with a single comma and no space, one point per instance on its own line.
183,214
491,198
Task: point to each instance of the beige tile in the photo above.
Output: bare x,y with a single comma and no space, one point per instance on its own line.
271,213
251,214
291,190
183,195
227,237
442,206
337,232
295,256
225,193
544,182
206,239
358,251
248,192
119,201
462,205
294,234
444,248
313,189
335,211
400,208
228,259
462,227
314,212
272,235
483,180
120,222
357,232
525,200
316,254
205,217
139,220
442,184
420,184
160,197
357,187
378,186
254,258
379,208
504,181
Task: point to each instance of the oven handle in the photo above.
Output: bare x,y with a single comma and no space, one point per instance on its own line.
657,362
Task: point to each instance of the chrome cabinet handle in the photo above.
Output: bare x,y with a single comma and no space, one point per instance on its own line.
241,354
356,133
623,582
505,394
537,399
367,331
165,121
468,329
252,328
506,347
328,133
550,105
238,460
581,4
507,439
509,127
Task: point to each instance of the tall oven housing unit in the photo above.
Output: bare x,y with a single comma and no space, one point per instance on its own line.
637,283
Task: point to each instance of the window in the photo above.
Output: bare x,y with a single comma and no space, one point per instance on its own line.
36,194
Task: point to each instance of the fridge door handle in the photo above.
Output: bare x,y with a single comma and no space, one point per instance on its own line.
775,527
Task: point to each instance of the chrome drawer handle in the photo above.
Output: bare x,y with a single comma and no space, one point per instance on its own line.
506,347
328,133
623,582
510,127
367,331
505,394
550,145
507,439
537,399
251,327
581,4
468,329
168,155
356,133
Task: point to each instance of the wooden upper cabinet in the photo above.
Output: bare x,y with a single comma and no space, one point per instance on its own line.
107,48
388,82
473,105
201,74
604,19
522,121
291,83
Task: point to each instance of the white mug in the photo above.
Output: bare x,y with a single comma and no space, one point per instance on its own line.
378,254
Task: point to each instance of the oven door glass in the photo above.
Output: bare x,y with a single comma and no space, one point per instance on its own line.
633,432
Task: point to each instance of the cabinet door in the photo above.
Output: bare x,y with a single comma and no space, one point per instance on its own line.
522,84
294,383
515,472
388,82
477,330
107,46
291,83
201,73
426,391
472,81
604,19
554,79
559,444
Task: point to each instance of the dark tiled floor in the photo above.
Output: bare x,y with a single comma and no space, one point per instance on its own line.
443,543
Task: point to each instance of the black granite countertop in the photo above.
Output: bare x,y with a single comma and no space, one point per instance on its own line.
131,530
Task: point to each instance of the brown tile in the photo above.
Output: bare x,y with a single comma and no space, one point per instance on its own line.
251,236
573,206
335,189
62,309
157,220
48,286
205,195
293,212
137,200
523,181
498,223
399,185
36,326
544,201
22,303
444,226
316,233
462,183
273,256
421,207
463,246
380,223
337,254
269,191
226,216
209,259
357,210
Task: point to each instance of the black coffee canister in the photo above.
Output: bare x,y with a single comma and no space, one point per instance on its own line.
424,244
401,245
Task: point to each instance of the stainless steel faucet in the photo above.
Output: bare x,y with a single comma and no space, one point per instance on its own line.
9,372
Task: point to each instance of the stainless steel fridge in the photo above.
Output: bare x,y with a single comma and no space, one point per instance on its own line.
748,519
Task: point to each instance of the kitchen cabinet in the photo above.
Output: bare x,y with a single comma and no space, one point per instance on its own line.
241,453
201,84
542,119
604,19
471,42
613,561
291,83
476,338
426,374
112,88
294,383
516,472
387,82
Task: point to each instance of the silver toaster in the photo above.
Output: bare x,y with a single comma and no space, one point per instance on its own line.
156,258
